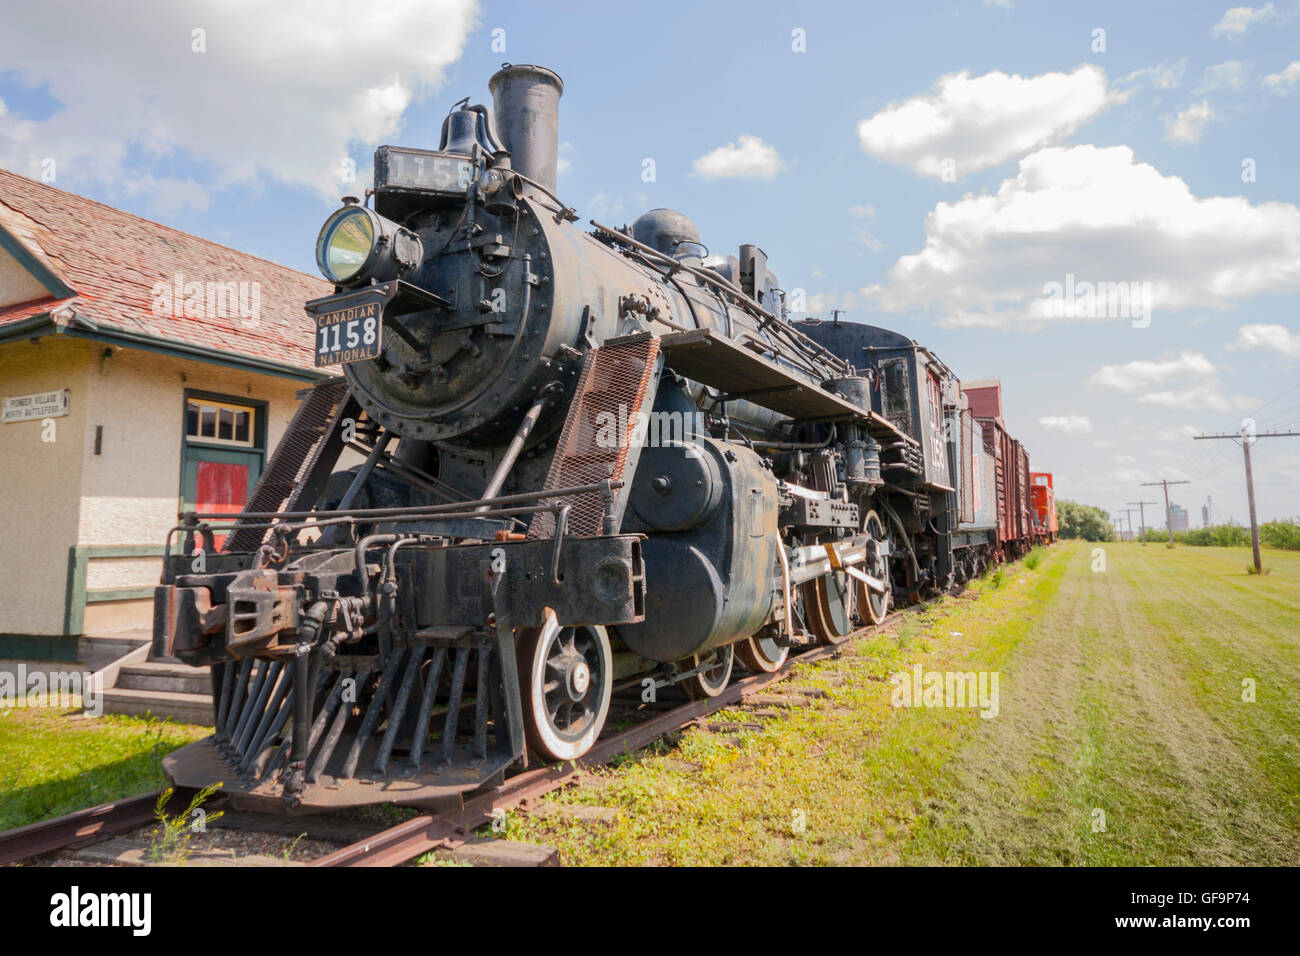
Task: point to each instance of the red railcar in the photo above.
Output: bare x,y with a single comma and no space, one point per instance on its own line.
1011,469
1043,502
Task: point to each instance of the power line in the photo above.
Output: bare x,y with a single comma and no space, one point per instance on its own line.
1142,516
1285,392
1169,521
1246,437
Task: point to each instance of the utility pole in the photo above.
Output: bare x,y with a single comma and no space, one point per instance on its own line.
1247,437
1142,516
1128,516
1169,521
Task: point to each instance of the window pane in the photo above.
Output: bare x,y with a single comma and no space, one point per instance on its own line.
208,428
242,431
226,424
191,419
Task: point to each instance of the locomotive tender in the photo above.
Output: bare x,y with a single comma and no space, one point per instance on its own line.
589,460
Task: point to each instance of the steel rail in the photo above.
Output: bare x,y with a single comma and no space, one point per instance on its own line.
82,827
427,832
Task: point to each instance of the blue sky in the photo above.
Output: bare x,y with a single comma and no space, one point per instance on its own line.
1122,164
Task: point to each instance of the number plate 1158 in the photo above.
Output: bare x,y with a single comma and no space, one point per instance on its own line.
349,334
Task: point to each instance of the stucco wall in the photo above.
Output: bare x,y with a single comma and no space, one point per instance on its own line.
129,494
39,484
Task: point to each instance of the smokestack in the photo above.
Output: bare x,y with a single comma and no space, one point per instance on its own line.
526,101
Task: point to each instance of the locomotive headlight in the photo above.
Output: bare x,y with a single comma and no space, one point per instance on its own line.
357,245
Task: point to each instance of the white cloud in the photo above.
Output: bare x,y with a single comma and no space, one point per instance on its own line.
1281,83
861,234
1098,215
1207,395
1197,376
820,304
287,91
865,237
1178,434
751,158
1189,125
1273,338
564,158
1070,424
1237,20
968,124
1230,75
603,205
1143,373
1165,75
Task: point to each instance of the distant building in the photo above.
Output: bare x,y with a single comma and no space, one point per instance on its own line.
1177,518
141,369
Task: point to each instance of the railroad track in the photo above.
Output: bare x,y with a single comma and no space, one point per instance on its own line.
81,828
428,832
425,832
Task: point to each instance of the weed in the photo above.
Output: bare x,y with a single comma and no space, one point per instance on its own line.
172,837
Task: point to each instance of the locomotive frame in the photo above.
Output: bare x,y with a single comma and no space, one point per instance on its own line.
410,629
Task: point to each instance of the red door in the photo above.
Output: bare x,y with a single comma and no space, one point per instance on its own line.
220,488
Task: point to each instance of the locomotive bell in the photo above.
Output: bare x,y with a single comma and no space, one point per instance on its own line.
470,131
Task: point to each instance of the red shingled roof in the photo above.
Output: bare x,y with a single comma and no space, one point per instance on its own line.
115,261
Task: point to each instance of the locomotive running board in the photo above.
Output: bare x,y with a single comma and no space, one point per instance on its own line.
711,359
618,381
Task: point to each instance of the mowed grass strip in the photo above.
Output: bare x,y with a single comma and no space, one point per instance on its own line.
849,779
1121,737
53,761
1124,736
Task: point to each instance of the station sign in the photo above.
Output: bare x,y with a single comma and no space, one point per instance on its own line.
41,405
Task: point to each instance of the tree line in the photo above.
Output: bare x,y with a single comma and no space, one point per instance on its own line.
1093,524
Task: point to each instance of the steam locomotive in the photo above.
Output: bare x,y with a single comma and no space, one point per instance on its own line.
591,457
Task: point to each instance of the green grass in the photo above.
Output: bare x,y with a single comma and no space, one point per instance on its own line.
1120,704
53,761
845,780
1126,708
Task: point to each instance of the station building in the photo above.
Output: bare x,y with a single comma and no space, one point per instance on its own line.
143,372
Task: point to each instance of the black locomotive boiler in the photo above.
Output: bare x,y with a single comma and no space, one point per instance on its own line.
587,458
